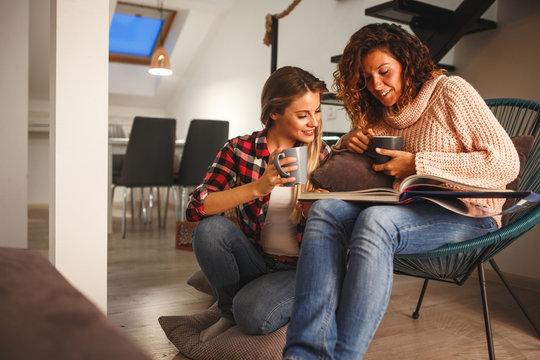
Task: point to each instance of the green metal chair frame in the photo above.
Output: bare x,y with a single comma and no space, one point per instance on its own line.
454,263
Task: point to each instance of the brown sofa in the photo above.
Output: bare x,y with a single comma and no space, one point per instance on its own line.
43,317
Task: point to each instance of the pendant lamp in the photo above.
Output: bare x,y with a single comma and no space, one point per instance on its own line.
160,64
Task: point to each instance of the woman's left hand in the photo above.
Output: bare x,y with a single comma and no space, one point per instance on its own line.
400,166
303,208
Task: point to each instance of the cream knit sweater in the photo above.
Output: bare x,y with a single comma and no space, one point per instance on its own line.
453,134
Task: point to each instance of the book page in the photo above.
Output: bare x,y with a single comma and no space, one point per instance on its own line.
383,195
468,209
459,207
411,182
530,200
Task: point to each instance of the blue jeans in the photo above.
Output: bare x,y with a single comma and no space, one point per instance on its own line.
252,290
341,297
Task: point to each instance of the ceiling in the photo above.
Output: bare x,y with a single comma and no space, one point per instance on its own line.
131,85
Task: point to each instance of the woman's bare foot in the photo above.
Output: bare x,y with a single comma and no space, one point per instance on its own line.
216,328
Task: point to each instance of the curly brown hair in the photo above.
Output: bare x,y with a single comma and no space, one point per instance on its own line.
407,49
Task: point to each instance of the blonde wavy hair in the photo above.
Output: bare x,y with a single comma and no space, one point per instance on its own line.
285,85
407,49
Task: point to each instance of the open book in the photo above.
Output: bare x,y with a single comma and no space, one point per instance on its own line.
444,192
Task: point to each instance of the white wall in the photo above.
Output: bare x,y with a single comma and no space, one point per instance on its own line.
78,144
506,63
226,78
14,122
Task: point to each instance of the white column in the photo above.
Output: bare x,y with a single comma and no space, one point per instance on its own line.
14,27
78,144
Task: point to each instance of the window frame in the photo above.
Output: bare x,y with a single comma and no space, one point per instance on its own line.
131,9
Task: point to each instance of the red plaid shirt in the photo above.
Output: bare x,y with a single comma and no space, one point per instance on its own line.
242,160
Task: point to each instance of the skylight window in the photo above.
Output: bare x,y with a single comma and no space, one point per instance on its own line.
133,34
136,31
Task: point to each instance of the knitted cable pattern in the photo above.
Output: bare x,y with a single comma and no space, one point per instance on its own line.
454,135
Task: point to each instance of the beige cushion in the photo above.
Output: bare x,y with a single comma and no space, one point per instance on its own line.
199,282
183,332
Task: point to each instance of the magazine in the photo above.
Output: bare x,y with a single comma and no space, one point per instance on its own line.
444,192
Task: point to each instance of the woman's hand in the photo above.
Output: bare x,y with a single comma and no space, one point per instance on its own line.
357,140
401,165
271,178
303,208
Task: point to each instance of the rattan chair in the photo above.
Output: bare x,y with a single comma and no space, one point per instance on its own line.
455,263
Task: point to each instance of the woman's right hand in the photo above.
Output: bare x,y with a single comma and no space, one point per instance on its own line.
271,178
357,140
219,201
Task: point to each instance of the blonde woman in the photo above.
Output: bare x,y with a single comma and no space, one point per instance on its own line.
251,266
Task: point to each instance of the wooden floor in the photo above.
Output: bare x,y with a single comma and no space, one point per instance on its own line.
147,279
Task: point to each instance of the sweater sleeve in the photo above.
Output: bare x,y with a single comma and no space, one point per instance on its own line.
489,158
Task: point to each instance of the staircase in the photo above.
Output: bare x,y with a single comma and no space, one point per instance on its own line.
438,28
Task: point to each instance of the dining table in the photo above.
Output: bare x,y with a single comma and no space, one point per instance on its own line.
119,146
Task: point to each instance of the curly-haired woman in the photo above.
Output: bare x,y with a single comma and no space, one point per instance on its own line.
390,86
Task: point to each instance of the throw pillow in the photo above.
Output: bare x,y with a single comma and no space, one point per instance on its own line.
523,145
183,332
347,171
199,282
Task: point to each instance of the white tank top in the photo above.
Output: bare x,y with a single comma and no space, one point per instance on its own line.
278,235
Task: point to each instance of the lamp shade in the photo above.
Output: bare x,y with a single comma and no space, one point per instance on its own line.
160,64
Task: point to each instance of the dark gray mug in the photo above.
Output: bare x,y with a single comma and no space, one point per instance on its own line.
300,174
386,142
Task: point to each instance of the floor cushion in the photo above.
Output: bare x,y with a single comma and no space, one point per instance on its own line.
199,282
183,332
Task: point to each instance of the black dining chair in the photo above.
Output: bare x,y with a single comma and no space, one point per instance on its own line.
203,141
148,161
